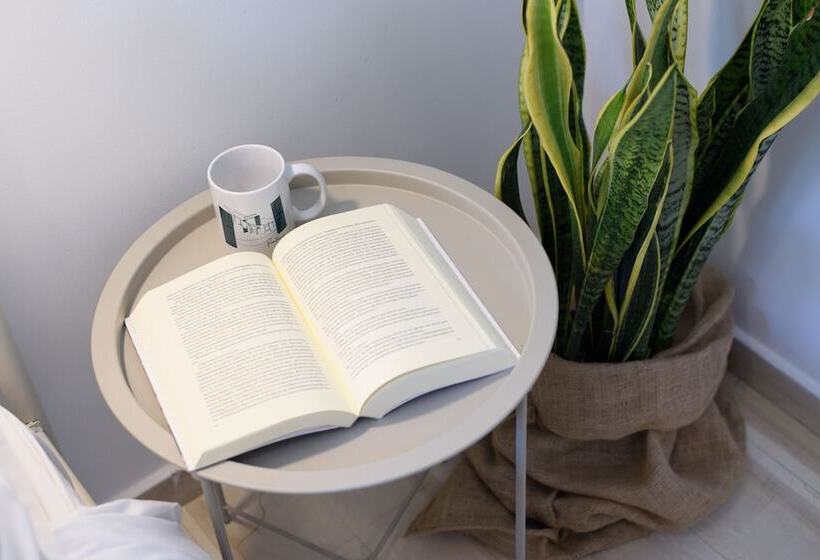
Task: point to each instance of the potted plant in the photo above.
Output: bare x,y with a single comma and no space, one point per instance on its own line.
630,428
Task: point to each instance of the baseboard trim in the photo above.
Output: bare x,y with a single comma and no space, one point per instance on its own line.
774,383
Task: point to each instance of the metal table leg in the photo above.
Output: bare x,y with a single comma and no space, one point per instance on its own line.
521,479
219,515
222,513
249,520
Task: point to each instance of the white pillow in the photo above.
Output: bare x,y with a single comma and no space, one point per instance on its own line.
43,517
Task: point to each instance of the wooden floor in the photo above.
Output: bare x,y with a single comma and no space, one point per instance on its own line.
761,522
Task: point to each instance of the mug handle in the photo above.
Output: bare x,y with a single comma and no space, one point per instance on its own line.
296,169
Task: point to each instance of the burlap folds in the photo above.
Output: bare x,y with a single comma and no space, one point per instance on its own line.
614,452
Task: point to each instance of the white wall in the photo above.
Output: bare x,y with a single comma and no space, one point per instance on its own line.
110,112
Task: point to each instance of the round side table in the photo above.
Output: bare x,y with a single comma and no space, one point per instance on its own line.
494,250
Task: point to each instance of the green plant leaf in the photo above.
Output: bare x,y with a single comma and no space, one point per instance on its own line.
801,8
638,42
728,91
653,63
688,262
555,148
629,237
653,6
678,33
637,152
705,108
641,95
605,124
580,136
637,317
724,88
639,273
599,185
572,39
506,176
604,130
567,264
597,342
675,19
548,84
538,186
795,84
640,349
771,34
718,130
532,157
683,147
669,41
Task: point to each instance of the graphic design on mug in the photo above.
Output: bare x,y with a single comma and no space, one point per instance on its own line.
250,189
252,229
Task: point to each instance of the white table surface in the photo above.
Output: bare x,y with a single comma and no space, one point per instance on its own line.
495,251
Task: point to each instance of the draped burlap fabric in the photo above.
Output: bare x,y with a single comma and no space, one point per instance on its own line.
615,451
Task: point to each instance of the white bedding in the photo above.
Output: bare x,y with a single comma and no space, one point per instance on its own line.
42,517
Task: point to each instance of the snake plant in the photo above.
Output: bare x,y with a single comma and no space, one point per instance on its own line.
629,217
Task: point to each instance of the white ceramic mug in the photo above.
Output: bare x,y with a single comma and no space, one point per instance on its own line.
250,187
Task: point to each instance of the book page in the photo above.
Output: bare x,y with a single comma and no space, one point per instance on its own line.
229,355
378,306
503,357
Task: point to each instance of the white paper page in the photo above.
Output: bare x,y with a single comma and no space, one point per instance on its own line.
379,308
228,355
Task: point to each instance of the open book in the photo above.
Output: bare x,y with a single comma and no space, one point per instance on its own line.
353,315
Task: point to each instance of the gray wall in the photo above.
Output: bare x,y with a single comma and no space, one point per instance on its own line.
110,112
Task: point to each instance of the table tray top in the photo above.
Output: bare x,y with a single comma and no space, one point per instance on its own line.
495,251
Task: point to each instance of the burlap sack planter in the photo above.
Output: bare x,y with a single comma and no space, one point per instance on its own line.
614,451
